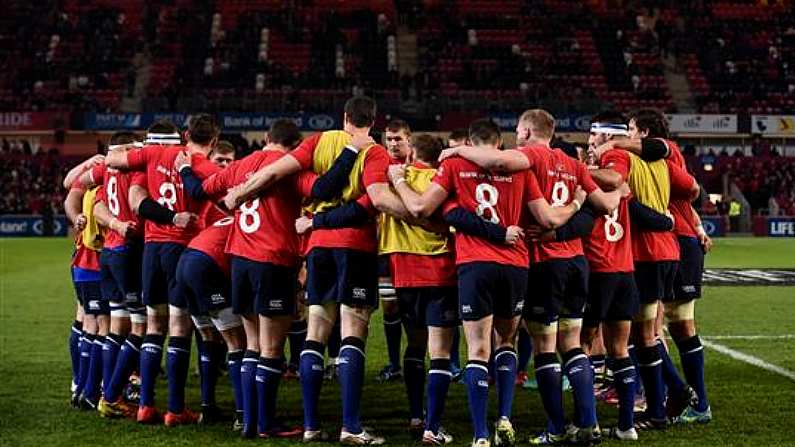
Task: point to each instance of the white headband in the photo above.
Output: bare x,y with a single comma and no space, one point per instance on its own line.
163,138
610,129
114,147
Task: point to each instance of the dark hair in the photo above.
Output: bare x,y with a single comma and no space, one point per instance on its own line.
396,125
458,134
428,147
484,131
122,137
360,111
652,121
224,147
284,132
203,129
162,126
609,117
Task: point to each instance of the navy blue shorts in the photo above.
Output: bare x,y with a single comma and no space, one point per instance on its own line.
384,270
655,280
612,296
557,288
687,282
205,285
120,269
343,276
89,294
267,289
160,284
488,288
428,306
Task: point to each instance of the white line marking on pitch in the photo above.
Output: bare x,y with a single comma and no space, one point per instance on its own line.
751,360
749,337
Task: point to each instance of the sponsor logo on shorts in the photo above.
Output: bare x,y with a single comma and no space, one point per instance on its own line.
217,299
466,309
359,293
275,304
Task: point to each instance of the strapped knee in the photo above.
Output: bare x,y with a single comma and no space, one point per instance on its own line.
680,310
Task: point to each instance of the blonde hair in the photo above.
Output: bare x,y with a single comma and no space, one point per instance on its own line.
540,122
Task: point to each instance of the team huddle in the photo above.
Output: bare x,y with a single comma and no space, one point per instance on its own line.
584,256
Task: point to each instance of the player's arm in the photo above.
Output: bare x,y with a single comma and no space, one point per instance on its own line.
703,237
78,170
580,225
106,219
73,207
469,223
493,160
648,219
683,185
330,185
551,217
261,179
607,179
348,215
192,183
117,160
649,149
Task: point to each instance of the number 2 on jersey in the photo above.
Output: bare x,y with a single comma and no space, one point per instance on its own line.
486,195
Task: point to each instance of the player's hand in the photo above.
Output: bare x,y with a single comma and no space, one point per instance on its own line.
181,160
580,195
671,216
80,222
598,151
706,241
396,172
303,224
125,228
232,198
449,152
513,234
624,190
533,233
361,141
184,218
95,160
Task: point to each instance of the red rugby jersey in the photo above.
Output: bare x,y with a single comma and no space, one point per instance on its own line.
647,246
558,176
499,198
684,220
363,237
609,246
212,242
165,187
116,185
264,228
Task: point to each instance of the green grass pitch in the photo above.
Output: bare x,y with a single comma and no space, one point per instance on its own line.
751,406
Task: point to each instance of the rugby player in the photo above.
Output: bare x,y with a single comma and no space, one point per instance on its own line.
163,245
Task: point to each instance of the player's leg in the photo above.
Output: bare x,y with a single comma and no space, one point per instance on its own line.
180,325
393,327
597,354
333,350
244,274
101,311
620,303
681,325
154,295
357,292
119,324
276,305
505,370
524,352
75,336
576,365
411,302
441,318
322,316
297,337
476,283
127,272
650,281
541,311
230,326
455,355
